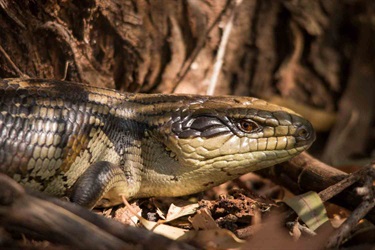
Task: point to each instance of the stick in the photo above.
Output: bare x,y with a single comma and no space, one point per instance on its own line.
221,51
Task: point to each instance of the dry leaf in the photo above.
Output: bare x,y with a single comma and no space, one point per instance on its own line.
214,238
165,230
203,220
175,212
309,208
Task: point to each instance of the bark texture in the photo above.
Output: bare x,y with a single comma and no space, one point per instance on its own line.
314,56
316,53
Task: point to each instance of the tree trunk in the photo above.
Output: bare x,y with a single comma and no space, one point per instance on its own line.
302,54
314,56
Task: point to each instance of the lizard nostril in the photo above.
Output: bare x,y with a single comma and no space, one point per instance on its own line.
305,134
302,132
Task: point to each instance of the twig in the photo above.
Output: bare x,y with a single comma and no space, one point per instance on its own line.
221,51
14,66
333,190
186,66
344,230
31,214
131,209
65,71
304,173
64,222
88,70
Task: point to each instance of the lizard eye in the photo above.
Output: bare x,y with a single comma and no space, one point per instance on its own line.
247,126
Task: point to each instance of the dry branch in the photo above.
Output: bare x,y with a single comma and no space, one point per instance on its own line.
42,217
345,229
305,173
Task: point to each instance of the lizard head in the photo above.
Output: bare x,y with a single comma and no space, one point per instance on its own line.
196,142
236,135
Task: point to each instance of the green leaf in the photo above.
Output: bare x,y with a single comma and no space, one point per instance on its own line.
309,208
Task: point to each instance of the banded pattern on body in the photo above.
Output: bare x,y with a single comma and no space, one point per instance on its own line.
53,132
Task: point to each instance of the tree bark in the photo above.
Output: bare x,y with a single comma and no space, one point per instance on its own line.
314,56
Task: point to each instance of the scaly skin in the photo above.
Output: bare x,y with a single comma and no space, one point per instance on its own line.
96,144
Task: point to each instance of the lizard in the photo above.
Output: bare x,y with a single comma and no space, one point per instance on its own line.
95,144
